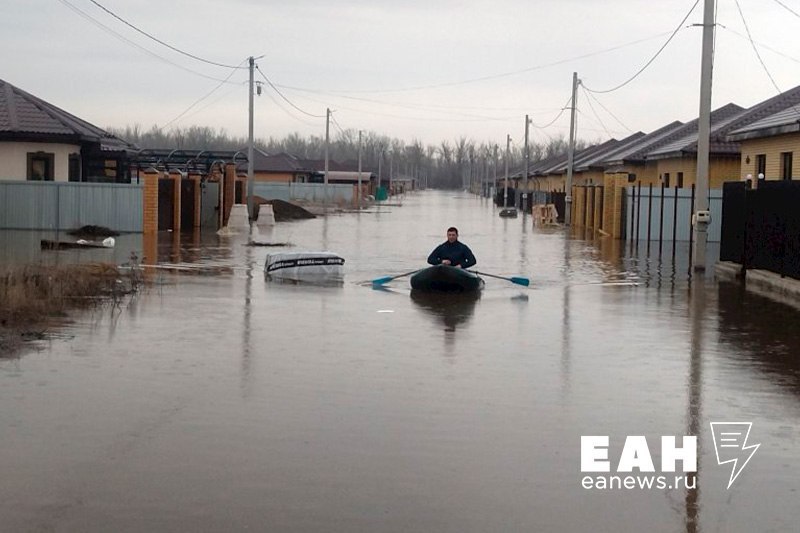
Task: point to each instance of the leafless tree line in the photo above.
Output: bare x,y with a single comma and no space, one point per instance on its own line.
447,165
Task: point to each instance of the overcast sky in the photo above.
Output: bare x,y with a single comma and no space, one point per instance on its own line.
430,70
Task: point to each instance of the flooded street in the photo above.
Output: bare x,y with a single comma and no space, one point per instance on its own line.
219,401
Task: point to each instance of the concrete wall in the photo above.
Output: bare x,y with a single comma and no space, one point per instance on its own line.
14,159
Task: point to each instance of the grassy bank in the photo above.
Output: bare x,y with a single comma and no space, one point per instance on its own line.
33,296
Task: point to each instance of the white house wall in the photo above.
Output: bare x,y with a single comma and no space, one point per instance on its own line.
14,159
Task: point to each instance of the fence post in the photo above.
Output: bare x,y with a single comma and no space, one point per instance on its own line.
674,224
691,229
649,216
638,210
661,221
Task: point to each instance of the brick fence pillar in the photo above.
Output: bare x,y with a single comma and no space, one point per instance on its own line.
176,176
229,191
150,203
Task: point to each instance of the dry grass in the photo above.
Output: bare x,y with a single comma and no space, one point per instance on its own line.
33,295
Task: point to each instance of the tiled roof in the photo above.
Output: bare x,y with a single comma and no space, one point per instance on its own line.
635,151
726,120
24,115
686,140
786,121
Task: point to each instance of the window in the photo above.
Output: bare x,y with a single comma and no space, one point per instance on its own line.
786,165
40,166
761,164
74,167
680,180
666,179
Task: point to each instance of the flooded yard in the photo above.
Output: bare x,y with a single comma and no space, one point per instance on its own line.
220,401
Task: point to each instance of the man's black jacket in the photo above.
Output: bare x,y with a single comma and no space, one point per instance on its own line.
457,252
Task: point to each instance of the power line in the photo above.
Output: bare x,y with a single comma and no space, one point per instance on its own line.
588,101
789,9
563,108
159,41
417,118
394,104
674,33
233,71
492,76
336,123
286,99
758,55
288,112
128,41
598,102
762,45
755,48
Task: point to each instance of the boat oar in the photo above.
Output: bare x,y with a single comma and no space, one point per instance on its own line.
514,279
387,279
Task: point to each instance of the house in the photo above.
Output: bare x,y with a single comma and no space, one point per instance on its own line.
279,168
41,142
768,145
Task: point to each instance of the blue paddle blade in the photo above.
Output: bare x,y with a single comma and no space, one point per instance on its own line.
521,281
381,281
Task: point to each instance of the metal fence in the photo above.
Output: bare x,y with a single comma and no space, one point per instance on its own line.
49,205
761,227
657,214
308,192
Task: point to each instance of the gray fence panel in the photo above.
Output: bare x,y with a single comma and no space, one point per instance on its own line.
272,191
315,192
684,214
64,205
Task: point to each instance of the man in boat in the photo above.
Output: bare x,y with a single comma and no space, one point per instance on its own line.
452,252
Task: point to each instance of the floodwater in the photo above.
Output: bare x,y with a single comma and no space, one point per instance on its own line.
219,401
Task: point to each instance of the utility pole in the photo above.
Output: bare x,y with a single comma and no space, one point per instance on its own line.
250,171
527,155
391,168
358,195
505,189
327,141
494,170
701,217
571,151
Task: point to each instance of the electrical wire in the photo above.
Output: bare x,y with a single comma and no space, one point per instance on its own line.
489,77
274,88
135,45
598,102
755,48
758,55
394,104
790,10
674,33
762,45
563,108
595,113
233,71
159,41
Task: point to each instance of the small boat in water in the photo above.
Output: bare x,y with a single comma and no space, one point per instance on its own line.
305,266
445,278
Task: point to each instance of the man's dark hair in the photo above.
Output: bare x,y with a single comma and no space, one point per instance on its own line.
452,228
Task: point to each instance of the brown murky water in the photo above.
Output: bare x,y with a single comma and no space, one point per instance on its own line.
223,402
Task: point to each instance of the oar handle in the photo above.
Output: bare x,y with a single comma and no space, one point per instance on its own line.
387,279
514,279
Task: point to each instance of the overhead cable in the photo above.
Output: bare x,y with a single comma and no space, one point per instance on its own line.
159,41
626,82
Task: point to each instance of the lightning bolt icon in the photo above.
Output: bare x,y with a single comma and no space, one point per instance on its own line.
730,445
